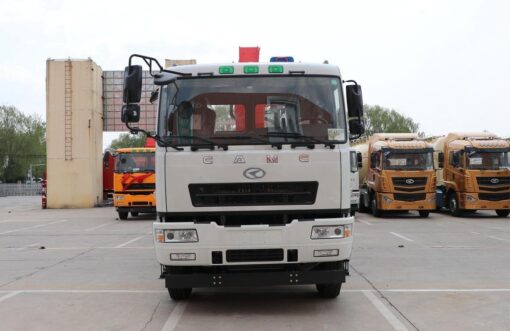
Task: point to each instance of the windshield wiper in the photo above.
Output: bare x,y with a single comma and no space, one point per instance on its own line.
299,135
208,143
265,141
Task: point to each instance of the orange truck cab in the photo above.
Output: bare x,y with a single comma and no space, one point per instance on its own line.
397,174
473,172
134,181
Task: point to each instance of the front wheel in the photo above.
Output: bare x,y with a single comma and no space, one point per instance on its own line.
329,291
502,212
123,215
179,293
453,204
373,206
362,207
423,213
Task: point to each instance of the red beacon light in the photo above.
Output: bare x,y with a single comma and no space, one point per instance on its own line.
282,59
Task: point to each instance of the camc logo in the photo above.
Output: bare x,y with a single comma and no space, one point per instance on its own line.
494,180
254,173
409,181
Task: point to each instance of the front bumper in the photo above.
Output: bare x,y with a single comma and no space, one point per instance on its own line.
287,275
472,201
293,238
134,202
386,201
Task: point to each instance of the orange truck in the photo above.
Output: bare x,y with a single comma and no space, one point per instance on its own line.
397,174
134,181
473,172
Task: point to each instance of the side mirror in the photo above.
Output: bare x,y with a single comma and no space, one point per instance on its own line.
359,159
132,84
354,100
440,160
356,128
456,159
154,96
130,113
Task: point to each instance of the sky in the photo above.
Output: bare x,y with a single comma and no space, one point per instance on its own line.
445,64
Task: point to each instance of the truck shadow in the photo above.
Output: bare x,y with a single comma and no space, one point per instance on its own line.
490,214
259,300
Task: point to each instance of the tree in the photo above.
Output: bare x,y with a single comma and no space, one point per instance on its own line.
23,144
128,140
384,120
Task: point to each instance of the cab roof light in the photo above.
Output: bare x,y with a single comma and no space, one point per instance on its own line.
275,69
282,59
251,69
226,70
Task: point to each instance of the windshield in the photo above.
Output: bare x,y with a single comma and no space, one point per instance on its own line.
252,110
487,160
135,162
407,161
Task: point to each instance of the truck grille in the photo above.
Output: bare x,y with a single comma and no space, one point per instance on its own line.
409,184
409,197
493,184
253,194
141,186
494,196
254,255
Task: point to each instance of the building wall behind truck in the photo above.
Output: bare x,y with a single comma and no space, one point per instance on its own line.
74,133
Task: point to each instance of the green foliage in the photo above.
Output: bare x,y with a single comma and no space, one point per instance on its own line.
126,140
384,120
23,143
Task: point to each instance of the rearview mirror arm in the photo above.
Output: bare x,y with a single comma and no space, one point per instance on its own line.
149,60
133,130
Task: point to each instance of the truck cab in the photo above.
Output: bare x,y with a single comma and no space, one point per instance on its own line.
399,175
473,173
134,181
253,174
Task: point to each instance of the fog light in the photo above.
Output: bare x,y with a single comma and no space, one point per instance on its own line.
325,252
183,257
119,197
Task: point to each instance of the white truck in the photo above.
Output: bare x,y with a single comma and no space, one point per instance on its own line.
252,173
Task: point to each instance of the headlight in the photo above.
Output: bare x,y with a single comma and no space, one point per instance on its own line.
387,199
331,231
470,198
176,236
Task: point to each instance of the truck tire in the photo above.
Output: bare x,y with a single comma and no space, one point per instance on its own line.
376,212
329,291
134,213
123,215
179,293
502,212
424,213
362,207
453,205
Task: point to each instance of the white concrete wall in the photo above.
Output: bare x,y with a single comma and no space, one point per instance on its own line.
74,183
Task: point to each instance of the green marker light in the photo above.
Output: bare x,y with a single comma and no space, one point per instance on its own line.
251,69
275,69
226,70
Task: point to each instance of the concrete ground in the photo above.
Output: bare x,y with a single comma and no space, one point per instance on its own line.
86,270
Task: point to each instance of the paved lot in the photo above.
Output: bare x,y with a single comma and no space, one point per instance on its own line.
85,270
